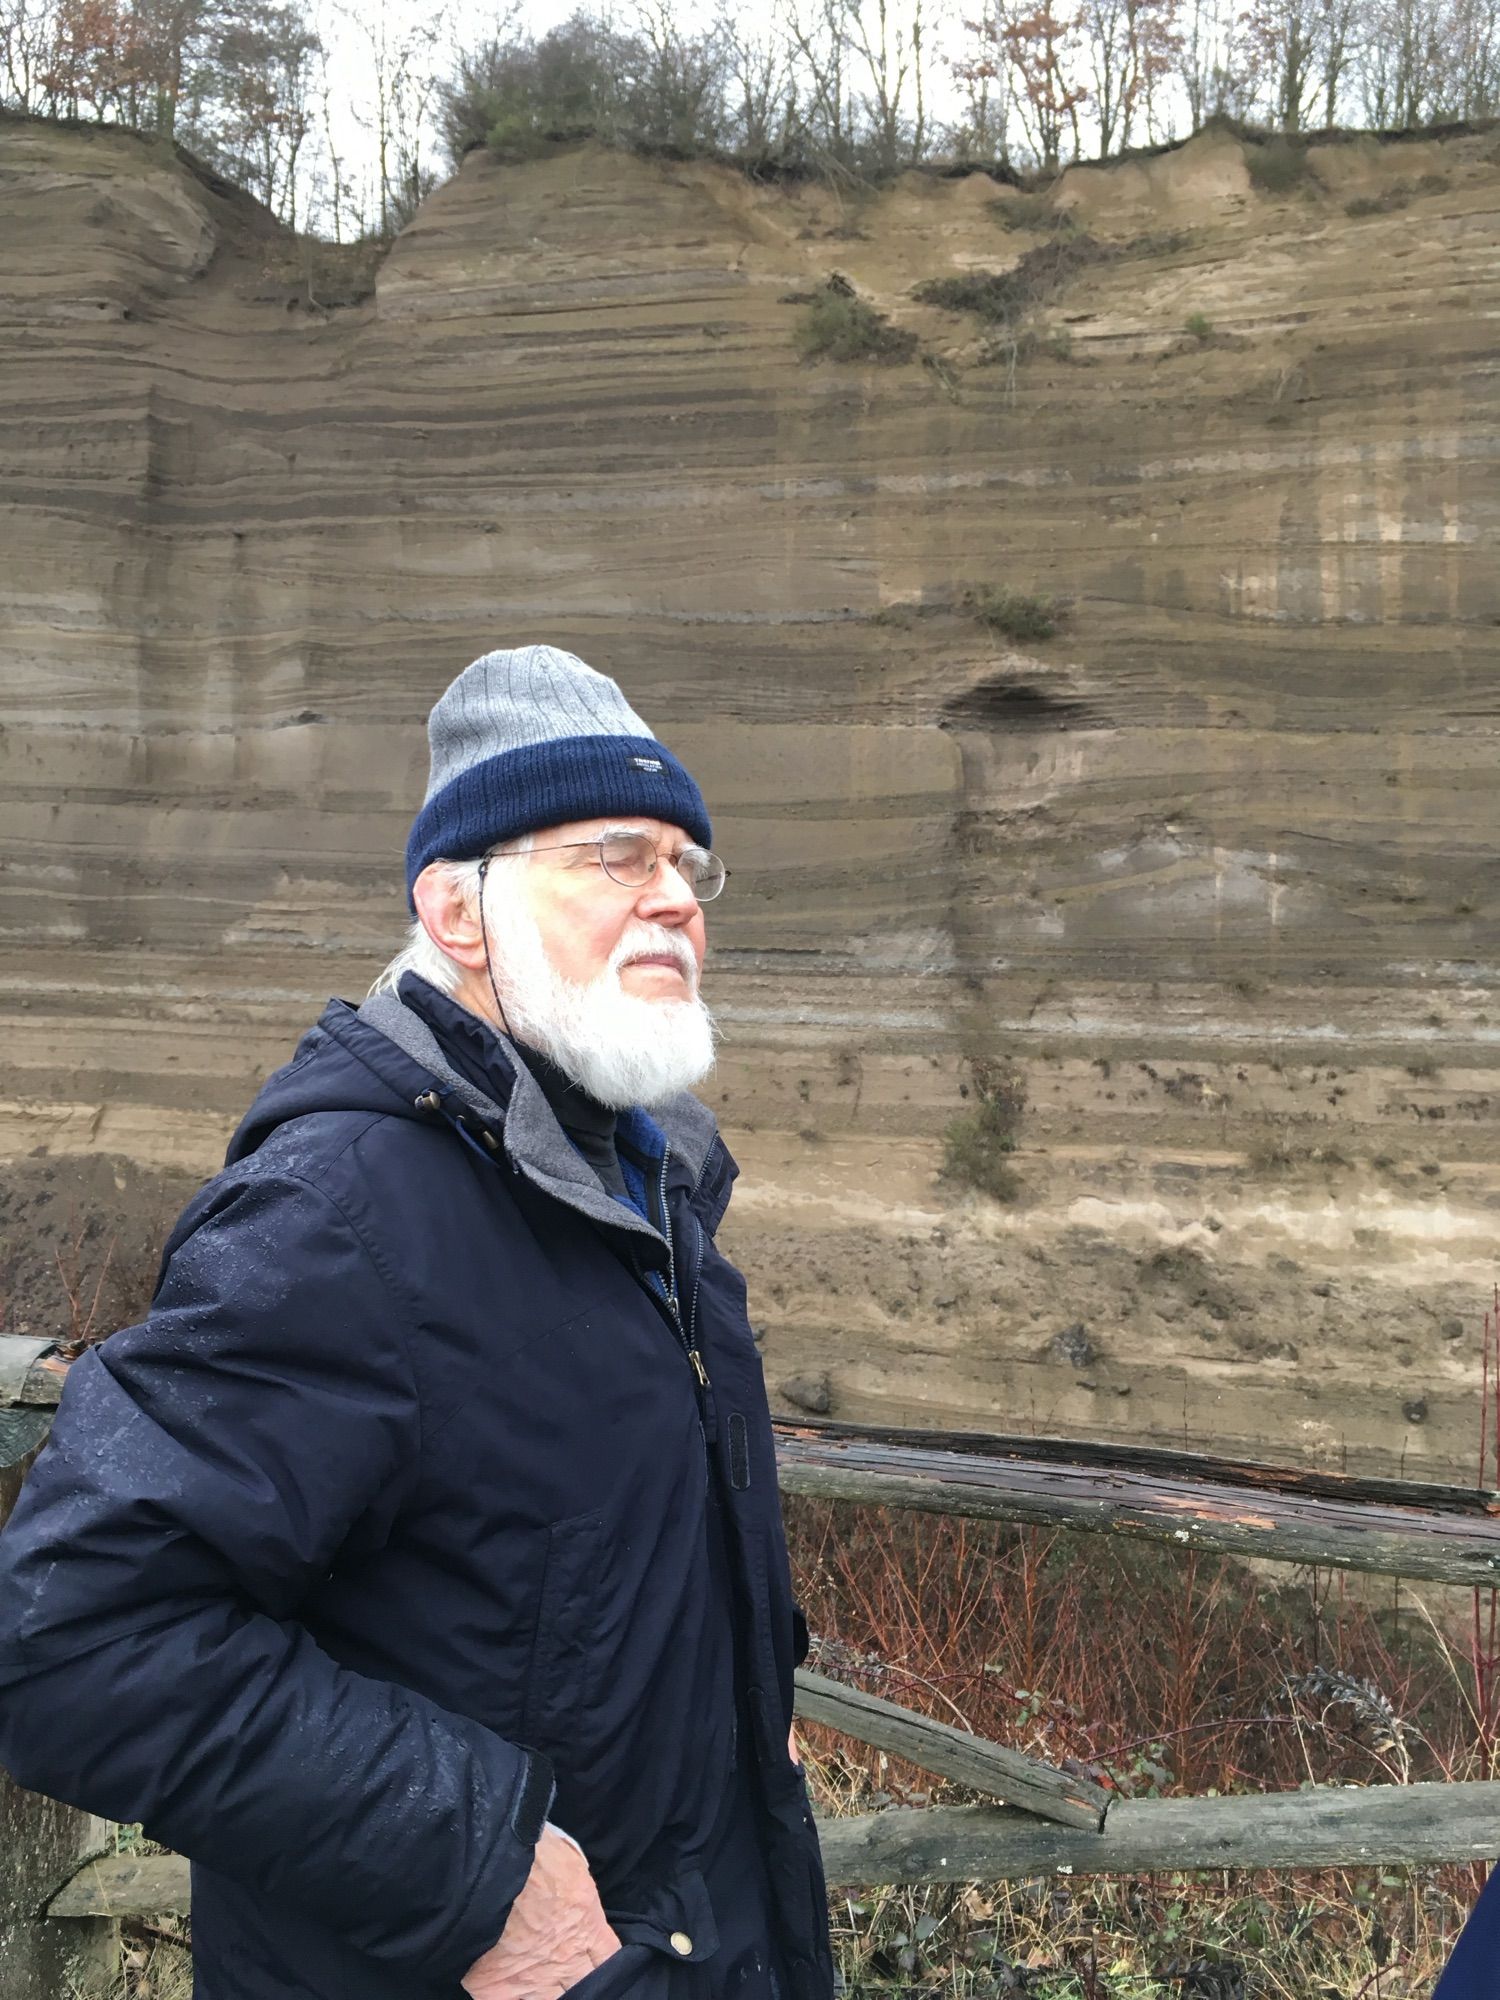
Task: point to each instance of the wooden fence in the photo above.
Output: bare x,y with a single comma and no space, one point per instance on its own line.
56,1916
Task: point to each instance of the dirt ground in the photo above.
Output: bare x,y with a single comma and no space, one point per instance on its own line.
80,1241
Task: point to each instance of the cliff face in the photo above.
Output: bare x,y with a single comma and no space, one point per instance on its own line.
1213,870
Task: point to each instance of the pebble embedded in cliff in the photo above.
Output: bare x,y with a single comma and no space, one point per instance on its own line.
1072,1346
1415,1412
813,1393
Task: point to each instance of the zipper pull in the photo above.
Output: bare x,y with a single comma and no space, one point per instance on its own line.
708,1416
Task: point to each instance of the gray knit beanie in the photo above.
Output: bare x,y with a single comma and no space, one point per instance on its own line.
533,738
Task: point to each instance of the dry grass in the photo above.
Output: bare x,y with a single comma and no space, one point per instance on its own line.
156,1961
155,1953
1155,1673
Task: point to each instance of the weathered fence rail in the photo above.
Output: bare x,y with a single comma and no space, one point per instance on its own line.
1428,1533
938,1747
1330,1827
1054,1821
1432,1534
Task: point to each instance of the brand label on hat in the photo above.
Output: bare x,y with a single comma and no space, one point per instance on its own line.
647,763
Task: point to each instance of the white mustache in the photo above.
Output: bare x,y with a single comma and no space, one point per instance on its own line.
653,941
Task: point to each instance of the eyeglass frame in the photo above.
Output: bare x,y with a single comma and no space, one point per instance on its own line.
598,841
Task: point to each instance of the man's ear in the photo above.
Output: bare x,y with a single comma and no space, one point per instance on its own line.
449,917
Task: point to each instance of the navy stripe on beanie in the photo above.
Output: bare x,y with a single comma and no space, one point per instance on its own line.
548,784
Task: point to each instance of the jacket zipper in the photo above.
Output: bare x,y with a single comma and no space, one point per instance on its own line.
685,1333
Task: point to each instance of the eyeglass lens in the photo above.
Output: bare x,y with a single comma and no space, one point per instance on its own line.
631,861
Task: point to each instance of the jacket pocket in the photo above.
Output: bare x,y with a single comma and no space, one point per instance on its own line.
615,1975
564,1659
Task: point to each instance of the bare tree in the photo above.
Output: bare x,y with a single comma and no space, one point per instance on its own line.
1036,51
1337,48
1133,46
984,131
1106,35
883,48
1476,43
1403,64
819,52
1205,45
28,48
1281,40
341,219
401,43
676,97
261,99
760,92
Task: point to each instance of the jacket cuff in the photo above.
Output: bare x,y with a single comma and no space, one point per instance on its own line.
534,1796
477,1926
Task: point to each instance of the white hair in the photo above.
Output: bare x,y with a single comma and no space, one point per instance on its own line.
420,954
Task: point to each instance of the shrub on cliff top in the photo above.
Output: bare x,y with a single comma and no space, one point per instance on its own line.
585,77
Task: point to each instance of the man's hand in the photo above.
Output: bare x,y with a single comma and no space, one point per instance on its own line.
791,1744
555,1933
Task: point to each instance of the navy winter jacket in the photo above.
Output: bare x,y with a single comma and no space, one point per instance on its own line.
1473,1971
436,1494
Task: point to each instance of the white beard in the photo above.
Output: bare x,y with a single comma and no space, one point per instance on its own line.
620,1049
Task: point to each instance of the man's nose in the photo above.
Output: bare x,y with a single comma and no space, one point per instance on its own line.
668,897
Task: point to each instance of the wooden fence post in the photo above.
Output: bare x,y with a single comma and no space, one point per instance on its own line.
43,1843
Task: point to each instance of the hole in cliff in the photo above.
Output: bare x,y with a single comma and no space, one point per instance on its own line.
1016,705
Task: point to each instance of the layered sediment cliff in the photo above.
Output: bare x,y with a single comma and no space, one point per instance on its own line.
1213,869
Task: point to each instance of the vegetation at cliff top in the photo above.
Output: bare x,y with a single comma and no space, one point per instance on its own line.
854,91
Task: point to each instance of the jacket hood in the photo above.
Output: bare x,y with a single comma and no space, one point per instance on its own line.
384,1059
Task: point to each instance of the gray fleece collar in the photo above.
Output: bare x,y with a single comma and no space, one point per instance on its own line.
535,1143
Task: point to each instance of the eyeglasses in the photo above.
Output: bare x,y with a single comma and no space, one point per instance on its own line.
631,860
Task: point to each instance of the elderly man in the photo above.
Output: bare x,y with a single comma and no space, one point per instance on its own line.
417,1567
